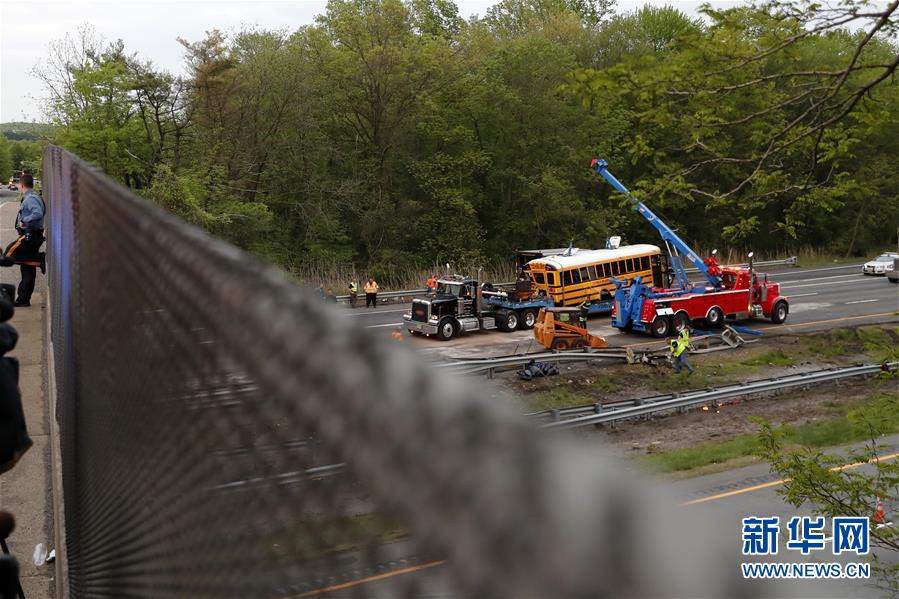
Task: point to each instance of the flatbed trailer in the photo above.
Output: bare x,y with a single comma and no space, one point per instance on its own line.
460,305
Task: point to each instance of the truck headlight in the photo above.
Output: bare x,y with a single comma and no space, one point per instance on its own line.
432,317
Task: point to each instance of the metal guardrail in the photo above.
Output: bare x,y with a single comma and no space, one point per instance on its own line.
791,261
405,293
488,364
476,365
603,414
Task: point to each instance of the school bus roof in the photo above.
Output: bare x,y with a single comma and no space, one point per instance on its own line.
585,257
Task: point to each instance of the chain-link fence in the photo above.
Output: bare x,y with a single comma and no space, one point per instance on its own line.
223,434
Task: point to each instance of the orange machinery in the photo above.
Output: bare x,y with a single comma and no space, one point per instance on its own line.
555,329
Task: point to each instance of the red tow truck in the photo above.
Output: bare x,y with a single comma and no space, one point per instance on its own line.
734,292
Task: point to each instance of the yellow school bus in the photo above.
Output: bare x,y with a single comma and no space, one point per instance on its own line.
580,275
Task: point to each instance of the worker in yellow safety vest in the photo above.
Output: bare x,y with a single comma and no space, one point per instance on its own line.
354,293
679,348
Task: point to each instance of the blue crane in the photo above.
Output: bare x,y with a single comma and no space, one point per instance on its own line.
675,246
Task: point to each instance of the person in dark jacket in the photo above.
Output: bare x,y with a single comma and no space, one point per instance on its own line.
583,313
14,439
25,251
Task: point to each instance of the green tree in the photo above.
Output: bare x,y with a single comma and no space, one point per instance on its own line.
823,483
6,167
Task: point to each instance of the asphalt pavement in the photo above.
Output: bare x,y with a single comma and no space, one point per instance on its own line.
820,298
725,498
718,502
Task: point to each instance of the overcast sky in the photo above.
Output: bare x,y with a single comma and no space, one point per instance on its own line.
151,29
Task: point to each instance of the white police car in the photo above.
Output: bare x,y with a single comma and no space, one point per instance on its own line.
880,265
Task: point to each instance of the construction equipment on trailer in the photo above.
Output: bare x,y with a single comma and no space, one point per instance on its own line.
462,304
729,292
555,330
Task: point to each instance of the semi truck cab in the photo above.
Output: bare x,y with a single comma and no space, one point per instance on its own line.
462,305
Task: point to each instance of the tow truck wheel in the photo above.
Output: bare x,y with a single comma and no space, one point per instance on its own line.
446,329
508,321
527,320
560,344
660,326
779,313
715,318
679,322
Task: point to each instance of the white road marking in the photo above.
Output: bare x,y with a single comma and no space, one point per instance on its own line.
847,283
808,307
868,301
855,274
832,268
377,326
803,295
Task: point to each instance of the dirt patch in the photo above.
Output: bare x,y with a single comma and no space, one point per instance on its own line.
699,427
774,356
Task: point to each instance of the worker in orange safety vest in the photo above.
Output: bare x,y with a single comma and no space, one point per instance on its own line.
371,293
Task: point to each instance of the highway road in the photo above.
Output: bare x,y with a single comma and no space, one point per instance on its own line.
722,500
718,502
820,297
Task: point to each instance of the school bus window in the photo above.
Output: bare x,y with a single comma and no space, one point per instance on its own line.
566,277
585,274
604,268
575,277
644,263
552,279
538,278
615,270
630,265
593,272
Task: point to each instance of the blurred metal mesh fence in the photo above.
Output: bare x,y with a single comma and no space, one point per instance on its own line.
223,434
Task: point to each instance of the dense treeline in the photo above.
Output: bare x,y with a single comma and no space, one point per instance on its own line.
20,148
393,133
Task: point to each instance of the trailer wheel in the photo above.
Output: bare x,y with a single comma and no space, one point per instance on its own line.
560,344
679,322
507,321
446,330
715,318
527,319
779,313
660,326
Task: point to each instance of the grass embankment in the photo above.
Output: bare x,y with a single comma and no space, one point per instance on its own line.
850,421
593,388
875,416
874,343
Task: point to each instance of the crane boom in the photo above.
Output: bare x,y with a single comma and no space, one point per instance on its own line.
674,244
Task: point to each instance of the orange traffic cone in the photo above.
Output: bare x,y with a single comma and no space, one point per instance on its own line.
879,514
